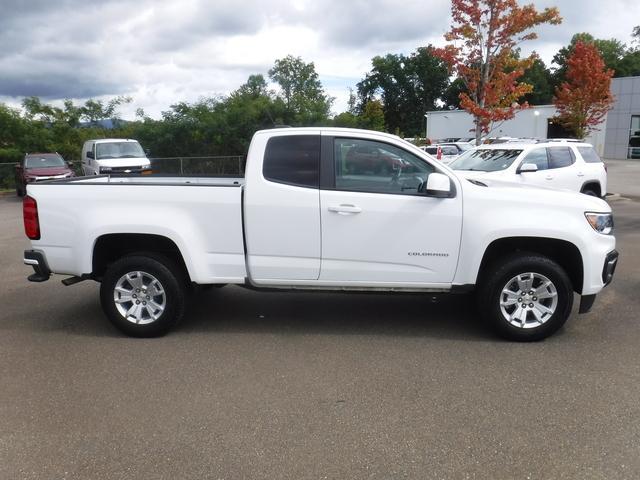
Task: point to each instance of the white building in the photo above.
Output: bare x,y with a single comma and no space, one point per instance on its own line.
615,138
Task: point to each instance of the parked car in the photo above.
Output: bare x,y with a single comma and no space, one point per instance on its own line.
443,152
298,220
114,155
562,165
364,158
37,167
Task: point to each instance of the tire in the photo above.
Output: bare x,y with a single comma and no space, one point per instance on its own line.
148,274
540,317
589,192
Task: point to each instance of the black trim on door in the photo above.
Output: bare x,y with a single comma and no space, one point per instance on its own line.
327,165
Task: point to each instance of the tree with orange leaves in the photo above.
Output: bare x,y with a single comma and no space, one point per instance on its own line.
485,34
584,99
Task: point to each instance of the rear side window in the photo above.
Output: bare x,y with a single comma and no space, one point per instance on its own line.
589,154
560,157
294,160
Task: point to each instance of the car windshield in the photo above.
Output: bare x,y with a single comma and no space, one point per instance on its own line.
119,150
44,161
485,159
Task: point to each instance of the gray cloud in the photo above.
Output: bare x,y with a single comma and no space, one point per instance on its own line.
164,52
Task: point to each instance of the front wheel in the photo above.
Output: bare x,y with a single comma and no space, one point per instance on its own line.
526,297
143,296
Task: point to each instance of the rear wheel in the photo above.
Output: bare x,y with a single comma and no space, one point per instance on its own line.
526,297
143,296
590,192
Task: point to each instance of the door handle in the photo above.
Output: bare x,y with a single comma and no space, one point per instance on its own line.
345,209
548,177
580,174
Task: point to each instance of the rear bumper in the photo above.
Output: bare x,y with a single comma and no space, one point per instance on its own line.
38,261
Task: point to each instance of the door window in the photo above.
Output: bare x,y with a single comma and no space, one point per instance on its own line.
560,157
368,166
537,157
294,160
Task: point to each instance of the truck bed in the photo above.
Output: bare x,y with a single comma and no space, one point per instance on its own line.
204,223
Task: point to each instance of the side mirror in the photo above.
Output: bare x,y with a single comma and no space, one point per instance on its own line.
17,166
528,167
147,152
90,154
438,185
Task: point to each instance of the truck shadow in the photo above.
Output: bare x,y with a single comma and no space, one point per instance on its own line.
235,310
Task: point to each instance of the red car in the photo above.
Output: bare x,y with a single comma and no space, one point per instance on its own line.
365,158
37,167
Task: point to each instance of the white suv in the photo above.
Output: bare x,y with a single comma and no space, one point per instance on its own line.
563,165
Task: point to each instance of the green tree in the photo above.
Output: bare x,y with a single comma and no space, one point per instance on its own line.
347,120
541,79
407,87
305,101
95,110
372,117
451,95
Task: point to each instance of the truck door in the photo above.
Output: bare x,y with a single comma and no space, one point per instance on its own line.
282,207
377,225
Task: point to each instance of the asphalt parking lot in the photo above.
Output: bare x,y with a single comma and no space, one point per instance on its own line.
266,385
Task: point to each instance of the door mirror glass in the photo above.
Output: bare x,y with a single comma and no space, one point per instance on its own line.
89,154
528,167
438,185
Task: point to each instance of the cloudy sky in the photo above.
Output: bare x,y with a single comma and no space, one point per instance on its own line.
162,52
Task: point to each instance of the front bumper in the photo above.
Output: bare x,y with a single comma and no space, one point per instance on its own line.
39,263
610,262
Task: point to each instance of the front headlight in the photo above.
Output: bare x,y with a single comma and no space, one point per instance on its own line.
601,222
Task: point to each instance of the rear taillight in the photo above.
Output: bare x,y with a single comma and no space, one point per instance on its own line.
30,215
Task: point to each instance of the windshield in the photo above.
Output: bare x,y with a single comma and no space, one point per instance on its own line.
44,161
119,150
485,159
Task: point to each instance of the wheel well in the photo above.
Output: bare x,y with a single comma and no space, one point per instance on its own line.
593,186
562,252
111,247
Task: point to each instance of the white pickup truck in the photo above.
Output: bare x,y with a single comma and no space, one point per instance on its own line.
324,209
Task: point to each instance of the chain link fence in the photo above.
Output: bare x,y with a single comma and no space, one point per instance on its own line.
228,165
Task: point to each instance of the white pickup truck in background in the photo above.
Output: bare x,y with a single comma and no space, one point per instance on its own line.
304,217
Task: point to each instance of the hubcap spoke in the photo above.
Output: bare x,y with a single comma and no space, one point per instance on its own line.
525,281
155,289
543,309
